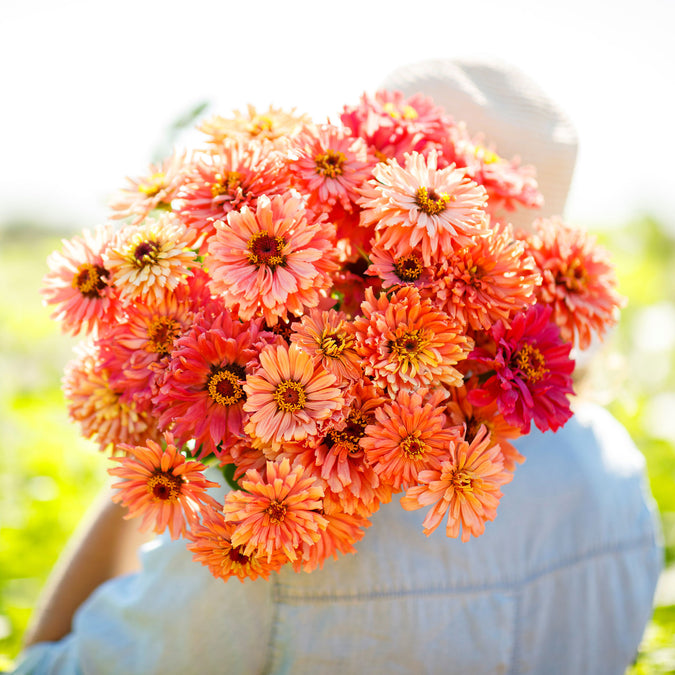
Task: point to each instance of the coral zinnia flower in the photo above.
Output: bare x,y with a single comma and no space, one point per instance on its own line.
531,371
406,343
288,395
229,178
148,259
274,125
79,283
202,393
100,408
418,206
329,338
492,278
274,261
329,165
155,190
395,271
467,487
211,544
276,513
162,486
579,282
411,434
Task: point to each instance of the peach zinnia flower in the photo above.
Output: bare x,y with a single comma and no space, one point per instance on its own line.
288,395
492,278
329,338
411,434
154,190
579,282
278,512
467,487
272,261
405,342
145,261
211,544
162,486
418,206
79,283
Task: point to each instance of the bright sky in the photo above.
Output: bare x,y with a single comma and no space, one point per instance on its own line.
88,88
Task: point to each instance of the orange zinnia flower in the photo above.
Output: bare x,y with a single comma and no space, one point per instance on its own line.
162,486
279,512
466,487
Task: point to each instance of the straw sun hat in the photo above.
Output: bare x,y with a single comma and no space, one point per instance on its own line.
516,117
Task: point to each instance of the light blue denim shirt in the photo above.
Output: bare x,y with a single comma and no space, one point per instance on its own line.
561,582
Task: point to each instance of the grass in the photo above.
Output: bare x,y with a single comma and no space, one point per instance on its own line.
49,474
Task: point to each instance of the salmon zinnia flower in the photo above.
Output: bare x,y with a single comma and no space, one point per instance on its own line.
162,486
278,512
467,487
272,261
579,282
288,395
417,206
405,342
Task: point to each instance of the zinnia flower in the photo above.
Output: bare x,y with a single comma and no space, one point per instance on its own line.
531,370
288,395
272,261
411,434
79,283
579,282
148,259
277,512
162,486
467,487
211,544
418,206
405,342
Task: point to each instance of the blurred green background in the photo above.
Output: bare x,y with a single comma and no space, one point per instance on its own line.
49,475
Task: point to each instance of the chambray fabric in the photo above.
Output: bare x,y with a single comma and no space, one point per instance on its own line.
562,582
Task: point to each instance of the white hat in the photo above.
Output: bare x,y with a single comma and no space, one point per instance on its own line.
510,110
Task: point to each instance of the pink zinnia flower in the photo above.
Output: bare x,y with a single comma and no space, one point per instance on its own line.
162,486
272,261
530,373
329,164
229,178
418,206
579,282
154,190
202,394
405,342
211,544
149,259
79,283
288,395
410,434
467,487
277,512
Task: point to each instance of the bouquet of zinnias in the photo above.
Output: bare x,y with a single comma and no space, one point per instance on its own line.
331,313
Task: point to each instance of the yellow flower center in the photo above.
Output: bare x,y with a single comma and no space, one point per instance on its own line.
531,363
329,164
333,344
147,252
408,268
349,437
164,486
153,185
462,480
90,280
431,203
264,249
485,155
162,333
223,384
408,112
225,183
412,447
260,124
276,511
574,278
290,396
